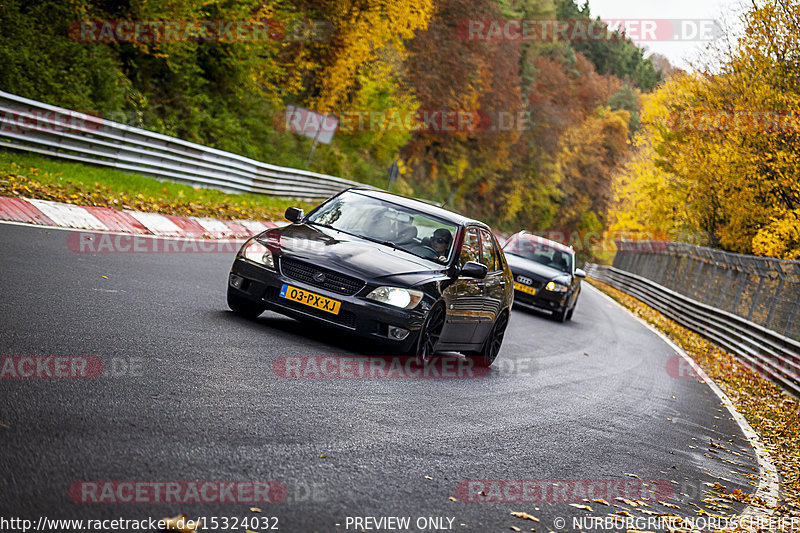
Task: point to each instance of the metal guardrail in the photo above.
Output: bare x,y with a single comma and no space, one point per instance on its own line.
32,126
765,351
763,290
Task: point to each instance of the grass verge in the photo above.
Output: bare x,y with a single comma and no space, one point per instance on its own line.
33,176
775,416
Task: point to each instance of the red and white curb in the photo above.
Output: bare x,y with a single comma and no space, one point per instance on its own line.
55,214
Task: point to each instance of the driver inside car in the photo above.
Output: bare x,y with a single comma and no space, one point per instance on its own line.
441,242
436,246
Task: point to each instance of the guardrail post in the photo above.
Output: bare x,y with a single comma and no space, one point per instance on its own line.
690,292
725,283
744,276
793,314
776,296
757,293
674,284
712,275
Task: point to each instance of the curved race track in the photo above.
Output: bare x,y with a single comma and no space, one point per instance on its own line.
202,403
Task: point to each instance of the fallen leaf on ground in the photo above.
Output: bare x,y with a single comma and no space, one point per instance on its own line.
428,477
255,509
526,516
601,500
452,499
581,506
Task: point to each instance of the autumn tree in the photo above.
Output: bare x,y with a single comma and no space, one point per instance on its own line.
728,139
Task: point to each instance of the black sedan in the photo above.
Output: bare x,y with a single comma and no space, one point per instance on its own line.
408,274
545,276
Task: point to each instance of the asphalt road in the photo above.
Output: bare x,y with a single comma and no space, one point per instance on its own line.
188,393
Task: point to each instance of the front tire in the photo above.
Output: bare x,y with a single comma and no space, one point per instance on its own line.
242,306
492,344
429,334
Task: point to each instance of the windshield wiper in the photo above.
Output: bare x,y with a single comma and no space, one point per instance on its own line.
378,241
385,243
323,225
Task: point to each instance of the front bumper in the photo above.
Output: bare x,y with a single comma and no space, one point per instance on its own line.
356,314
545,300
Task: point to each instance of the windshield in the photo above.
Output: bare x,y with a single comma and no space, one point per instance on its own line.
542,251
391,224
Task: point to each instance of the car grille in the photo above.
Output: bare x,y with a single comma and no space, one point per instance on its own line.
333,282
536,284
344,318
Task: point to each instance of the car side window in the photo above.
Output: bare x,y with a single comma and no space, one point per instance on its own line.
488,251
471,249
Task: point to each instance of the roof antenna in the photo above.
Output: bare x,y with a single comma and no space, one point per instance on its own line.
449,198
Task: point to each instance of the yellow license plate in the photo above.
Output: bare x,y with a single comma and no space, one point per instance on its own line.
309,298
524,288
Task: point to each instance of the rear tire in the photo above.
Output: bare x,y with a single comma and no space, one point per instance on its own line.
492,344
242,306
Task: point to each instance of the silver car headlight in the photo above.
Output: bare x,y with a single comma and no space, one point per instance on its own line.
396,296
556,287
258,253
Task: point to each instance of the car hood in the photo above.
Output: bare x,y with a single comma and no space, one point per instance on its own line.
348,254
535,270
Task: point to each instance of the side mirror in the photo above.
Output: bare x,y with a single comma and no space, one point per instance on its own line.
579,272
294,214
471,269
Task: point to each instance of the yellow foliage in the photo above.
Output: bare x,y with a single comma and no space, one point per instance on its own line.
363,30
716,160
781,238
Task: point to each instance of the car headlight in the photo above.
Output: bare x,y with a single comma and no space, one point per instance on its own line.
258,253
396,296
556,287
